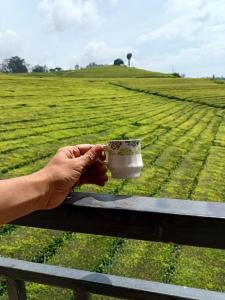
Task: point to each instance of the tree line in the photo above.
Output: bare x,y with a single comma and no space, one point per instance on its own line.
16,64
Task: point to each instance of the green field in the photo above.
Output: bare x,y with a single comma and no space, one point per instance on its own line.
182,126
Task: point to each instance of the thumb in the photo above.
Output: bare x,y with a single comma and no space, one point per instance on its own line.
91,155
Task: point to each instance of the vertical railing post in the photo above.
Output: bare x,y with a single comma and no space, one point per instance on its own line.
81,295
16,289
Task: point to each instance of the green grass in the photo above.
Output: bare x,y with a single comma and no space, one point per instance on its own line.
181,123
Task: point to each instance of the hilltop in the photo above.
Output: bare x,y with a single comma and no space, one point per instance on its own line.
114,71
107,72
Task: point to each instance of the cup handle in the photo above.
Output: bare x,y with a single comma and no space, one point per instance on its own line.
105,147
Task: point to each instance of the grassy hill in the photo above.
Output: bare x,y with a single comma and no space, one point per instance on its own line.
107,72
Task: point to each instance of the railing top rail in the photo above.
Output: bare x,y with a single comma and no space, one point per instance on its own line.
103,284
149,204
186,222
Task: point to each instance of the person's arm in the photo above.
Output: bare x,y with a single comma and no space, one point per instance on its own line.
22,195
47,188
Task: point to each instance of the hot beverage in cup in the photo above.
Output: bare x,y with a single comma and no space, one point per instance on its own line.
124,158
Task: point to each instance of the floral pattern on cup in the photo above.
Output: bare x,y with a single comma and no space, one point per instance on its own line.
115,145
131,143
124,147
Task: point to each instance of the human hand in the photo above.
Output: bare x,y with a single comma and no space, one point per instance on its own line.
70,167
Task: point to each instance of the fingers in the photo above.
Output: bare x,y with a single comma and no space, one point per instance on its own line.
95,174
95,169
78,150
98,180
70,151
83,148
91,155
101,181
101,168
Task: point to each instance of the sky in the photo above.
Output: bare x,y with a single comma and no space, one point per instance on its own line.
184,36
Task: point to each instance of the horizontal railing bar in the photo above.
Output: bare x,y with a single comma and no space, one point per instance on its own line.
187,222
108,285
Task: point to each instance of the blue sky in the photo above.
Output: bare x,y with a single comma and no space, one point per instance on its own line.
185,36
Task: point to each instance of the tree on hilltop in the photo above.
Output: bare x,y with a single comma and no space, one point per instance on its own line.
129,55
176,74
93,65
14,64
40,69
118,62
57,69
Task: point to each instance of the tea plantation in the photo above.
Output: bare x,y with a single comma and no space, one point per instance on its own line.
181,123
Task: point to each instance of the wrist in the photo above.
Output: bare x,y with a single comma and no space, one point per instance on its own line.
40,186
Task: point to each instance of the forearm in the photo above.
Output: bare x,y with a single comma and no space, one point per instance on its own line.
21,196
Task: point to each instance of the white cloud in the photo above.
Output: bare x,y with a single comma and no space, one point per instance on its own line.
192,41
184,6
9,44
114,2
61,15
186,28
100,53
193,20
204,60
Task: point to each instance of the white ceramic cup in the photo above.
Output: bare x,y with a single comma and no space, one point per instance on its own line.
124,158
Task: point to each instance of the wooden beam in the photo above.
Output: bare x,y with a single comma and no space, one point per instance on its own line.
196,223
109,285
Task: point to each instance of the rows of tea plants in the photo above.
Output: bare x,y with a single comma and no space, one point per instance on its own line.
203,91
183,146
192,167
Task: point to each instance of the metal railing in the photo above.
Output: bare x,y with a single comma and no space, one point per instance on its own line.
185,222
